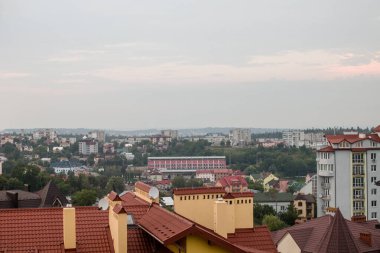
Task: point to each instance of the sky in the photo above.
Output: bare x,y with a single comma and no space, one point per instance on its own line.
189,64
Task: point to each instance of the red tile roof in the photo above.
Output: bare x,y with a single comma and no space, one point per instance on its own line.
199,190
351,138
256,238
327,149
233,180
377,129
233,195
139,241
142,186
23,230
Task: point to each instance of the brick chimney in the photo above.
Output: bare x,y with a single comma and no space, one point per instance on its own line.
366,238
69,228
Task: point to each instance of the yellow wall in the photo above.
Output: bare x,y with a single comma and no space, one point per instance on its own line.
145,196
196,244
243,213
200,209
224,217
69,228
118,228
288,245
267,180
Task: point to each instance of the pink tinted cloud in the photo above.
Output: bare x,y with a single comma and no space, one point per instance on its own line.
372,68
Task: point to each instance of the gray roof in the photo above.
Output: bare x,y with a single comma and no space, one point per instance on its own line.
273,197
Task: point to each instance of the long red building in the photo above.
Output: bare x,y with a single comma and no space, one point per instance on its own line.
186,163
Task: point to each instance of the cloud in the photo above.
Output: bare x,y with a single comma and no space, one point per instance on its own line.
12,75
76,56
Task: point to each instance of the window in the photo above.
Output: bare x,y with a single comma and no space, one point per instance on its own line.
249,201
185,197
373,156
359,144
373,191
373,144
197,196
358,205
282,208
373,215
208,196
373,203
180,198
357,157
357,182
299,203
358,170
344,145
358,194
373,179
373,167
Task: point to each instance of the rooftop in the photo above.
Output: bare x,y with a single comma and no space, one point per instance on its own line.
199,190
185,157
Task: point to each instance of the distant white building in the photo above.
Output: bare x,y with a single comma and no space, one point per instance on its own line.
294,138
49,134
170,133
240,136
88,147
99,135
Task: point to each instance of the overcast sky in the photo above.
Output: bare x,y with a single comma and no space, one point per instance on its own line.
183,64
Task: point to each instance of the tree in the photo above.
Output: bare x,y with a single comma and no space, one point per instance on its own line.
260,211
179,182
84,197
273,222
115,184
14,183
289,216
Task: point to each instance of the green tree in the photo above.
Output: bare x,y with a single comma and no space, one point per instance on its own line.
14,183
289,216
260,211
84,197
273,222
3,182
115,184
179,182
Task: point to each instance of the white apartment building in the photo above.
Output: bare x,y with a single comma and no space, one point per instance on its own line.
240,136
99,135
348,169
293,138
88,147
170,133
49,134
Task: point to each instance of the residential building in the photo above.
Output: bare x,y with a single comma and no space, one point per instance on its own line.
215,139
108,148
240,136
311,185
6,139
173,134
88,147
294,138
213,175
64,166
49,134
315,140
305,206
279,201
233,184
98,135
268,178
329,234
49,196
348,169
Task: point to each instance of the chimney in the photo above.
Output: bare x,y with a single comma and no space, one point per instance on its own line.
359,218
118,223
366,238
69,228
14,198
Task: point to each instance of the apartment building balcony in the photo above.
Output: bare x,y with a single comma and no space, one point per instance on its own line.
325,185
359,197
359,209
325,173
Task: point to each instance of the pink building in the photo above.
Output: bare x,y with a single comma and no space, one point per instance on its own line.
213,175
187,163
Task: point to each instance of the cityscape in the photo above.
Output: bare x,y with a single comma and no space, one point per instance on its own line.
189,127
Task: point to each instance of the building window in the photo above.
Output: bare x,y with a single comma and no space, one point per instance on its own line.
249,201
197,196
358,170
185,197
358,182
299,203
374,215
282,208
373,167
373,203
373,156
238,201
193,197
180,198
373,191
357,157
373,144
373,179
208,196
204,197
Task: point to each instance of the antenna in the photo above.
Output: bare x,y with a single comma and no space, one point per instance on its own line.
103,204
153,193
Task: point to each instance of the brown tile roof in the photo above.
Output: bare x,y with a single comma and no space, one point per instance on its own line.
139,241
331,234
326,149
142,186
256,238
199,190
25,230
233,195
377,129
49,194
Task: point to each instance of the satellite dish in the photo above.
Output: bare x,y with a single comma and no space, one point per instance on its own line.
153,192
103,204
320,195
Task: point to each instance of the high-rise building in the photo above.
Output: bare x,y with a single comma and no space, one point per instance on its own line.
240,136
99,135
88,147
170,133
348,169
293,138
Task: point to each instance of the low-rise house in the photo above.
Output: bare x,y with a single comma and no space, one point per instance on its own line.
6,139
49,196
155,175
279,201
267,181
213,175
305,206
66,166
108,148
330,234
233,184
165,184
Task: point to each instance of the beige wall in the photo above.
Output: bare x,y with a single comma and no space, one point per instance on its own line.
288,245
224,218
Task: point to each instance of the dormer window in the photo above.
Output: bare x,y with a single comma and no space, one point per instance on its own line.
359,144
344,144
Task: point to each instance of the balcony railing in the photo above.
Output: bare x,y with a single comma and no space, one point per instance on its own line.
325,173
326,197
325,185
358,196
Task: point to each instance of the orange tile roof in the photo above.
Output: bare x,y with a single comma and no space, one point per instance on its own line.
23,230
233,195
199,190
142,186
139,241
232,180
